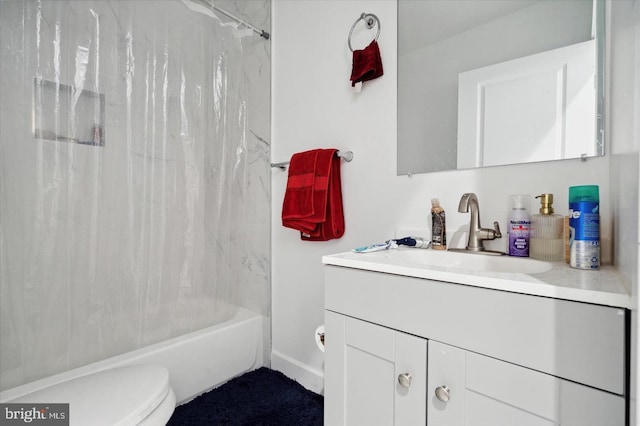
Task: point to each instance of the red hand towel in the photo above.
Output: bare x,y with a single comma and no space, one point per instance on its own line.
333,225
313,198
298,198
367,64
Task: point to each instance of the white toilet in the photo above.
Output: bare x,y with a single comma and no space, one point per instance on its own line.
132,395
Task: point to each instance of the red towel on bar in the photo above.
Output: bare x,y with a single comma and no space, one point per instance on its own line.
367,64
313,198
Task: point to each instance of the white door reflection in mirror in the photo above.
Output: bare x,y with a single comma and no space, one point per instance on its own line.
537,108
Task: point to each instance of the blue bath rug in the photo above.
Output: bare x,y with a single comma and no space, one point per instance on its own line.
262,397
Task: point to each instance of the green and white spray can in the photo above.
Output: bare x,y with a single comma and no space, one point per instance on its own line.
584,227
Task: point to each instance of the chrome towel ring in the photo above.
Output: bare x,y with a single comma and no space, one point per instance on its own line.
370,20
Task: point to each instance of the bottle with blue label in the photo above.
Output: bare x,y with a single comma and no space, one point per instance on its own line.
584,227
518,226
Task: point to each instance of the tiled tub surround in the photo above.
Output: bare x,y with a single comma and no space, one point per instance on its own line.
107,249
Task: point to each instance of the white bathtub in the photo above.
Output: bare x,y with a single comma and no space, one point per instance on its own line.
197,361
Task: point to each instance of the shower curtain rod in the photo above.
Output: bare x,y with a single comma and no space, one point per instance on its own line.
258,31
210,4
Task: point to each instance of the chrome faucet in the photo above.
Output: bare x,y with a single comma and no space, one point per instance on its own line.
477,234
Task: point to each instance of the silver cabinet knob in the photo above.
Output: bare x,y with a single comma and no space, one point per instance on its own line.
442,393
404,380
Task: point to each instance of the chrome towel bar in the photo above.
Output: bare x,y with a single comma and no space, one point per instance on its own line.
345,155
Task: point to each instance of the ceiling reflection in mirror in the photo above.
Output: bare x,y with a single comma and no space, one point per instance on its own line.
494,82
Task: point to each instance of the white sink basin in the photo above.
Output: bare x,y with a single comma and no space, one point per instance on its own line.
465,261
520,275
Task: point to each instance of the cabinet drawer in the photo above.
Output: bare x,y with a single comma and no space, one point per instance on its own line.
486,391
572,340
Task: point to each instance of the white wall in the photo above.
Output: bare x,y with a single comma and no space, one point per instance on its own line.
313,106
623,131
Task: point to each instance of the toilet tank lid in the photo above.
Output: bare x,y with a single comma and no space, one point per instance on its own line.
117,396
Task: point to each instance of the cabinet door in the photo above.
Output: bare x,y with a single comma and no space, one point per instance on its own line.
367,370
484,391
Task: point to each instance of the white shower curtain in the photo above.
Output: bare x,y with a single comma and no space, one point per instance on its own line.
124,170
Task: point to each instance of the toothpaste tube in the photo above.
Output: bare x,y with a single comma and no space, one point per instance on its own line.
376,247
391,244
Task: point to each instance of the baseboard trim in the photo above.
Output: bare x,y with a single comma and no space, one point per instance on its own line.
308,377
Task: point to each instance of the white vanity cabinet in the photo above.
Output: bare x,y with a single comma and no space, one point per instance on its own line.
476,356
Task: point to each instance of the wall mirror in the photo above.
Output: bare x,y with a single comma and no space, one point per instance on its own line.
496,82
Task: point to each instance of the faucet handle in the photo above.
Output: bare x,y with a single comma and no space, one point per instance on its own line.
496,226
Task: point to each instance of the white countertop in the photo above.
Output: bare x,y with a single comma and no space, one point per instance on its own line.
603,287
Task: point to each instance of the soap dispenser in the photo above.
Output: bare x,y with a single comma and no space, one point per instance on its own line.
547,231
